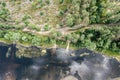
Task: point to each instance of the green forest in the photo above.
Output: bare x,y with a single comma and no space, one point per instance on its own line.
92,24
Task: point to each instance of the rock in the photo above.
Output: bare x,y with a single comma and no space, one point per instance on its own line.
28,51
9,76
69,78
115,78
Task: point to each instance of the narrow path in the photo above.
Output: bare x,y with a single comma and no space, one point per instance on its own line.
67,30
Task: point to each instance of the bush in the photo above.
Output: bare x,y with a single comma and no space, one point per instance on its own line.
4,14
2,33
47,27
70,20
36,41
34,27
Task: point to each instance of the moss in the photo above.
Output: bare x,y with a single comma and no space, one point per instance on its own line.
112,54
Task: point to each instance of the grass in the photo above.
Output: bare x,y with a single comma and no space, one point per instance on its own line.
112,54
50,45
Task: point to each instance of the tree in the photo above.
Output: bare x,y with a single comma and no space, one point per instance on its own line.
36,41
4,12
114,46
89,44
2,34
24,38
70,20
8,36
107,43
16,37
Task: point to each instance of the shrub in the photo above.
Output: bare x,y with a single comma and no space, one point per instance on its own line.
70,20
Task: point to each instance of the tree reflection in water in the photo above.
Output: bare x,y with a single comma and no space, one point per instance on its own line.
61,65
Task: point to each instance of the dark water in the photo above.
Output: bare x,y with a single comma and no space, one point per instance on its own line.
81,64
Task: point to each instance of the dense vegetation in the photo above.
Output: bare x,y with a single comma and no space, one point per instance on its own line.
60,12
95,38
22,22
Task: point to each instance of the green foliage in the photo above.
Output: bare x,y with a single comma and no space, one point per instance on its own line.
107,43
25,19
82,37
70,20
69,13
12,36
114,46
56,34
2,33
4,12
97,38
46,27
88,12
61,1
8,26
48,1
33,27
69,37
36,41
24,38
26,22
94,38
75,37
90,45
16,37
41,13
40,1
8,36
3,4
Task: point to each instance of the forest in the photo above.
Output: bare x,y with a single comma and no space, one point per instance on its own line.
92,24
